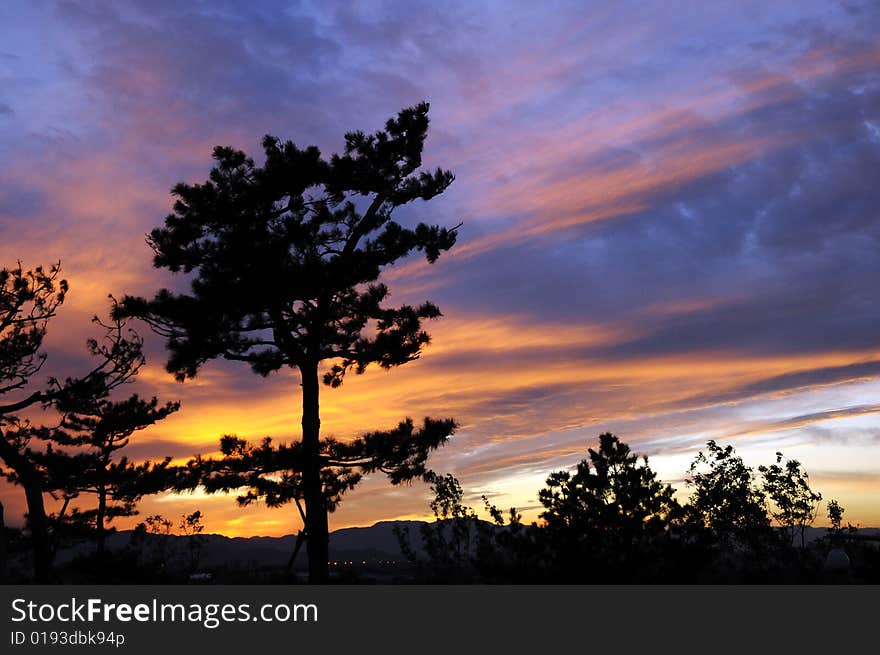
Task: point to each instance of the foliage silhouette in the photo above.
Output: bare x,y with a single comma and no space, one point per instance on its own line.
155,551
273,473
285,260
609,491
789,488
611,521
449,542
191,527
155,546
835,516
725,500
28,301
459,547
97,431
611,512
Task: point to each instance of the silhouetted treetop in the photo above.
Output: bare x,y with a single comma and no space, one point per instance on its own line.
98,430
28,300
611,491
788,486
286,255
108,424
725,499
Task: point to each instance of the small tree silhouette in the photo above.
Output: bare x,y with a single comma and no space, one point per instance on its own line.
153,549
157,524
835,516
458,546
286,259
98,430
611,490
191,527
610,510
789,489
725,502
28,301
449,542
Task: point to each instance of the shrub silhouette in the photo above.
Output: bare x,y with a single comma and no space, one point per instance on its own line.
609,517
795,503
609,520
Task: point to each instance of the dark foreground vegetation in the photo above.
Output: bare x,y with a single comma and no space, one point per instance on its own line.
609,521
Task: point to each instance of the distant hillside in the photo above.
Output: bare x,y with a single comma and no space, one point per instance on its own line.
373,544
379,540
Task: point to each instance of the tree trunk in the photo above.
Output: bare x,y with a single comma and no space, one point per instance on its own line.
38,524
2,546
300,540
99,518
316,508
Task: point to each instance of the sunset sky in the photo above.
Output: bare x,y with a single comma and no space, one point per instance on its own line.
671,222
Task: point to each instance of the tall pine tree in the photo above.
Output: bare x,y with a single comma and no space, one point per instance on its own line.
285,260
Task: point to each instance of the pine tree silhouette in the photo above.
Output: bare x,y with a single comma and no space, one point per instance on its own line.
286,259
